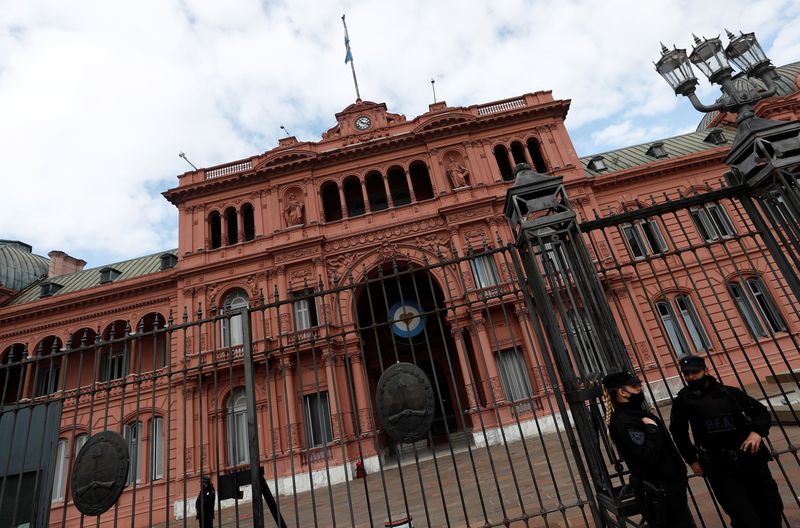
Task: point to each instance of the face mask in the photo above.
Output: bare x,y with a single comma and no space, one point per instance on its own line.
696,384
636,399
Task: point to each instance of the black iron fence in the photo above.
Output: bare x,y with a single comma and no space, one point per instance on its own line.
691,274
273,395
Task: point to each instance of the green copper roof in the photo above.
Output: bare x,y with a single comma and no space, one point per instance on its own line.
787,84
19,266
83,280
675,147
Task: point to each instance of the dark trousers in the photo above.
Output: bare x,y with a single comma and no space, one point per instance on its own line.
207,522
665,505
749,495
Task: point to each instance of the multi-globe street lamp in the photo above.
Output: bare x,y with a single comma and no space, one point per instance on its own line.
765,155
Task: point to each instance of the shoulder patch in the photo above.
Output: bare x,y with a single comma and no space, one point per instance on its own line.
637,437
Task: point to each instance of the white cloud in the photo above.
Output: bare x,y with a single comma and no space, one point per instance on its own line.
97,98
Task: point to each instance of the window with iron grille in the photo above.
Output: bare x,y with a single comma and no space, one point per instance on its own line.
238,449
317,418
756,306
305,310
513,374
484,271
679,318
712,222
644,238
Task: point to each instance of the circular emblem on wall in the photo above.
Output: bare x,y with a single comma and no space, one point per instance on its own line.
405,402
407,319
100,473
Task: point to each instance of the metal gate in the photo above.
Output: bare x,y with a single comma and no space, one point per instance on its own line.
694,275
274,396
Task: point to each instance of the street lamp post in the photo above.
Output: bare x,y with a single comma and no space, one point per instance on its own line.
765,154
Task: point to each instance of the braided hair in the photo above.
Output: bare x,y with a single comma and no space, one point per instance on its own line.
608,403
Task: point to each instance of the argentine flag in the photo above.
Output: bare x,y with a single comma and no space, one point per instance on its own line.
349,55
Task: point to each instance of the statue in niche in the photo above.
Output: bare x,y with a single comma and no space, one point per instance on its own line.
457,171
293,212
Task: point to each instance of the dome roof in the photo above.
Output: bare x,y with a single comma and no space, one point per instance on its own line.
787,84
19,266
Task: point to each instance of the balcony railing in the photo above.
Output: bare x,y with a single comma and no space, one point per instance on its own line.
225,170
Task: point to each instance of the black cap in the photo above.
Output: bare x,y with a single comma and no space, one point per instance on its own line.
206,478
692,363
620,379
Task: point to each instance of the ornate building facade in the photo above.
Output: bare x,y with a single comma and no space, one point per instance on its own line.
310,230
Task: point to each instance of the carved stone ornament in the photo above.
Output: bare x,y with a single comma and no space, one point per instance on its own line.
100,473
293,212
405,402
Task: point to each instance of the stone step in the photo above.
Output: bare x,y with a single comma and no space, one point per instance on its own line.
788,377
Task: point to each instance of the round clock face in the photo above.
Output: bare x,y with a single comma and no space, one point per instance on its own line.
363,122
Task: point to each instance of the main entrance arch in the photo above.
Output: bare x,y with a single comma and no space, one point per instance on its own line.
401,315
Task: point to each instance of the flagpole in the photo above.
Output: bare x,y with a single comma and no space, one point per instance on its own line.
352,63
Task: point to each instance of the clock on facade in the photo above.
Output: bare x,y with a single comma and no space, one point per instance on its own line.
363,122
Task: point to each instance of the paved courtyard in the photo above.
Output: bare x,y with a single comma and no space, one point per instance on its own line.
482,487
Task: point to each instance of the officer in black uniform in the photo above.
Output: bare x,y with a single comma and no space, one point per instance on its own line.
657,471
727,427
205,503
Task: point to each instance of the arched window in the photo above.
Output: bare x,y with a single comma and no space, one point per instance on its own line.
398,186
115,356
376,191
133,438
238,452
48,366
679,318
420,181
756,306
518,153
535,152
11,374
231,326
232,226
501,156
83,339
331,203
353,197
249,222
152,342
215,227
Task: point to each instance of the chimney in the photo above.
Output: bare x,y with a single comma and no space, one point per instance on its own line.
61,264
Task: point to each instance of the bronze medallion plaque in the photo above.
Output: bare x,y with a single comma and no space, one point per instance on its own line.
405,402
100,473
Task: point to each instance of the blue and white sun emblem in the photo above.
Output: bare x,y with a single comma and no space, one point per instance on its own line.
407,319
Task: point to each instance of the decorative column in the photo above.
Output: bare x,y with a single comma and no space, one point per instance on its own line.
329,359
388,191
290,393
410,186
367,207
363,418
223,226
463,362
343,201
494,392
239,225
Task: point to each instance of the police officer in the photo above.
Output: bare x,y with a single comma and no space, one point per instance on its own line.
205,503
727,427
658,473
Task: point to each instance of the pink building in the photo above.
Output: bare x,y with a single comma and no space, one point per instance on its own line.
385,241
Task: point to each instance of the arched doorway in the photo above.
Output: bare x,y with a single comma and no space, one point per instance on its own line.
401,316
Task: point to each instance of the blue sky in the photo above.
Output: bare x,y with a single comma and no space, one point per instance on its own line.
99,97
